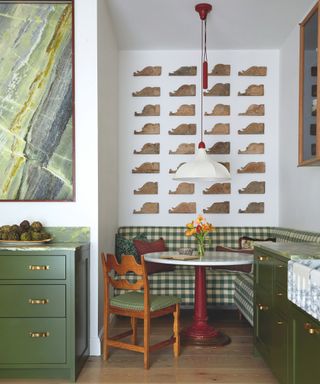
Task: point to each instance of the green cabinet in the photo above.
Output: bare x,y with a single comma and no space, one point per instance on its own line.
306,348
44,310
286,337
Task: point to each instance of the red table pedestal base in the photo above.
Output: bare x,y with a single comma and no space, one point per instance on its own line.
200,332
204,336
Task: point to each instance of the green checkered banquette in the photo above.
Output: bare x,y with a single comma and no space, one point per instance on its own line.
220,283
180,282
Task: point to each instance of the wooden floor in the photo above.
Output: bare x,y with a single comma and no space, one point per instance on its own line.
233,363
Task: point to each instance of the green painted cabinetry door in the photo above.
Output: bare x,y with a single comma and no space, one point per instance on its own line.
306,348
280,351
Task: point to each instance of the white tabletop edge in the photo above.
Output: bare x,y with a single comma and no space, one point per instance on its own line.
209,259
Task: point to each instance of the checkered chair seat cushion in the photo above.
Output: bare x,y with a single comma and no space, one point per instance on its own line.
243,295
220,285
135,301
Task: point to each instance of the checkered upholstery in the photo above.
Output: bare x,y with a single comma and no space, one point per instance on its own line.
175,237
220,283
294,235
180,282
243,295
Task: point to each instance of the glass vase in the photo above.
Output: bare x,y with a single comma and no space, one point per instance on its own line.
201,247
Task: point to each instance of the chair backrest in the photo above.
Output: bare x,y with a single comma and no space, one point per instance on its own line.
128,264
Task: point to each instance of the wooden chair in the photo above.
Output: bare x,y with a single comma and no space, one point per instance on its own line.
136,305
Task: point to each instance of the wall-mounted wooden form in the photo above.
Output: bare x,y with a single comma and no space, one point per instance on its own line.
254,110
218,89
253,208
147,91
253,90
184,71
219,148
147,208
252,149
219,110
218,189
220,70
185,110
219,129
148,188
149,129
184,129
184,90
149,149
254,71
175,170
254,187
184,208
184,149
223,207
226,164
183,189
147,168
253,167
149,71
149,110
252,129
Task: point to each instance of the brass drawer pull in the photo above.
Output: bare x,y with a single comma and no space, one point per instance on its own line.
280,266
39,334
279,294
39,267
262,258
38,301
312,331
263,307
280,322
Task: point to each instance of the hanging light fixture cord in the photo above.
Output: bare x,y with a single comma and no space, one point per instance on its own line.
201,80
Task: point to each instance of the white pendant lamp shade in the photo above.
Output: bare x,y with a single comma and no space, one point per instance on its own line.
202,169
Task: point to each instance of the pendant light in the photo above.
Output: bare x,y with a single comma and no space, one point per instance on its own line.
202,168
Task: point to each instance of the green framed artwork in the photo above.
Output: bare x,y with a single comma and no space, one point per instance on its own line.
37,160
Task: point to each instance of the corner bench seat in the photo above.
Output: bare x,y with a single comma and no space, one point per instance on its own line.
225,288
180,282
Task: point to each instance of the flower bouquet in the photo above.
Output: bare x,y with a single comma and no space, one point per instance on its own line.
199,228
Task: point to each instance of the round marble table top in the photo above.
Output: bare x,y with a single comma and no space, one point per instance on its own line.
210,258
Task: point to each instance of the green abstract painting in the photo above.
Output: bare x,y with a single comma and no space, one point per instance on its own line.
36,101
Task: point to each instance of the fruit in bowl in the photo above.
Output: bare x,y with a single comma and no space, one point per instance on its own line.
24,232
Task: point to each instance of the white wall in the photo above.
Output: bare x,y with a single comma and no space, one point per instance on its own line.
131,61
299,186
107,137
84,210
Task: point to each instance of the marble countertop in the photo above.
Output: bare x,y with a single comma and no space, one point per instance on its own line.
61,246
292,251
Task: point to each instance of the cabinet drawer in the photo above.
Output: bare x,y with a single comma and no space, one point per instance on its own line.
32,267
281,302
281,272
264,271
32,300
32,341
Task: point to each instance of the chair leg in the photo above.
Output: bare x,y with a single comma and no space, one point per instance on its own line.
146,342
240,315
134,330
105,353
176,331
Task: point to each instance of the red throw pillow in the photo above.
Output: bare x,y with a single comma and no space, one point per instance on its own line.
239,268
144,247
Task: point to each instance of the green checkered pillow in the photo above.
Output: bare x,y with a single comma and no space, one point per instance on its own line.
126,247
